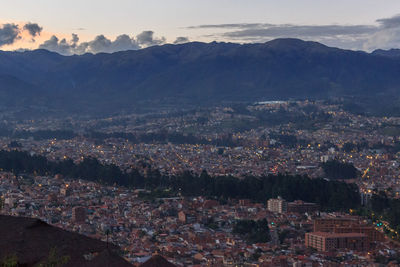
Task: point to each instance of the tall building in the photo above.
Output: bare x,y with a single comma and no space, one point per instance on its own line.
322,241
278,205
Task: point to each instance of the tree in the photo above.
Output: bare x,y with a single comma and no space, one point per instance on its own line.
54,259
252,231
334,169
9,261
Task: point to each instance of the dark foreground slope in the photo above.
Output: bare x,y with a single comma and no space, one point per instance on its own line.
31,242
157,261
195,72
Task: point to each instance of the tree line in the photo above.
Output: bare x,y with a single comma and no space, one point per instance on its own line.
381,207
335,169
330,195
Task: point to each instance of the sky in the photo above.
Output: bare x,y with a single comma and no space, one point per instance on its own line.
81,26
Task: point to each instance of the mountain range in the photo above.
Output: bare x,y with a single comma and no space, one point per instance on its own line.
195,73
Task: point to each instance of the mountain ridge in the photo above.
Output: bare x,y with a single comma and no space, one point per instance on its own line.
198,73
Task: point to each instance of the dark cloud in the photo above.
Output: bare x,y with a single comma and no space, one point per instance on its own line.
75,38
385,34
275,30
289,30
146,38
230,26
345,36
33,29
391,22
9,33
181,40
384,23
254,30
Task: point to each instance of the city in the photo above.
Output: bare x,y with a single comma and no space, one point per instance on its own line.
185,133
202,229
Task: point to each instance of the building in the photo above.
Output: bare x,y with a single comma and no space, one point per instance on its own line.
302,207
322,241
329,224
325,158
10,202
278,205
79,214
65,191
182,216
244,202
372,234
347,225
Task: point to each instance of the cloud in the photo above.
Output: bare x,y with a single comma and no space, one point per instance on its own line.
345,35
124,42
59,46
75,38
33,28
387,36
101,44
302,31
392,22
384,34
181,40
384,39
230,26
9,33
146,38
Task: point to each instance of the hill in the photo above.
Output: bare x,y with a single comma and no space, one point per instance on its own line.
157,261
387,53
30,242
194,73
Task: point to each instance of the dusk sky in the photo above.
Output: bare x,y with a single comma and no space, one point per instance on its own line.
76,27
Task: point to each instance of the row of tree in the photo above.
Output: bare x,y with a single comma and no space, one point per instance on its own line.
335,169
330,195
381,207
